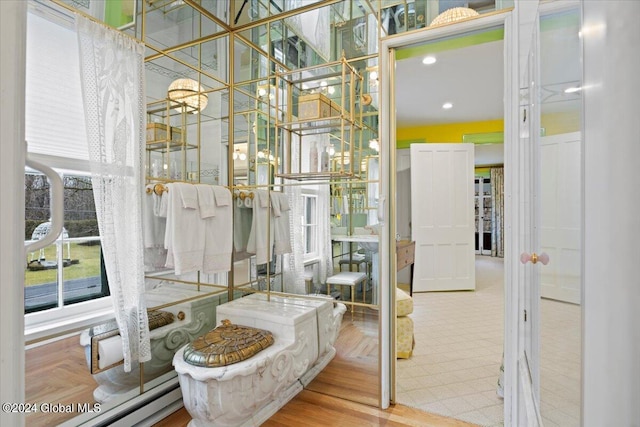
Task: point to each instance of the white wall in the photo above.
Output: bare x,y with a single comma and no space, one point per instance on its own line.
611,345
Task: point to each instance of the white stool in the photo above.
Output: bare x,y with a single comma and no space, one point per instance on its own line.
350,279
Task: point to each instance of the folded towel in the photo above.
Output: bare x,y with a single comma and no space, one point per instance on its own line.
261,227
206,200
218,235
184,237
162,206
281,228
275,205
242,220
248,202
223,195
284,202
264,198
188,195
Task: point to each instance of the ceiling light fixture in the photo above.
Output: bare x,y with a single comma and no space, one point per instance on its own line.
187,93
266,91
428,60
447,105
452,15
572,89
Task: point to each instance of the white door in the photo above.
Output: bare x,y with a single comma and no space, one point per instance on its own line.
522,266
442,216
560,216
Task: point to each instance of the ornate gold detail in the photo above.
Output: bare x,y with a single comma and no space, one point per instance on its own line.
227,344
159,318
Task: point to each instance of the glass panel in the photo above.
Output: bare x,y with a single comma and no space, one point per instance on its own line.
79,248
245,12
74,259
250,64
41,280
171,23
560,217
38,278
219,9
247,144
258,36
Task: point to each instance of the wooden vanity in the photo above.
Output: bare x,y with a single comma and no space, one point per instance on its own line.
405,256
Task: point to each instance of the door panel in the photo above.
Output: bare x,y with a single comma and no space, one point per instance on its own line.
560,216
442,215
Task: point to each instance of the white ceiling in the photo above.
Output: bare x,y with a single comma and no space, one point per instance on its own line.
471,78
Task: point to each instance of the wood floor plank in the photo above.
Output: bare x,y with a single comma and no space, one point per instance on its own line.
313,409
57,373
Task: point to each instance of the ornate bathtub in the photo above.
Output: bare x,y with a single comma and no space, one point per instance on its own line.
191,319
249,392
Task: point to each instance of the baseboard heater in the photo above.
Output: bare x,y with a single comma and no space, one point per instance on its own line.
144,410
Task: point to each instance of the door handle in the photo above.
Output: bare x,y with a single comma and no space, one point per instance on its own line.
534,258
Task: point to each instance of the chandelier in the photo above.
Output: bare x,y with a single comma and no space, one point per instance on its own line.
453,14
188,93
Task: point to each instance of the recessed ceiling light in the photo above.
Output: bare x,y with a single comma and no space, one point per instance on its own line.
447,105
428,60
572,89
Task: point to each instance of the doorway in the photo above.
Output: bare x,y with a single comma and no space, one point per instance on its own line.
459,335
515,338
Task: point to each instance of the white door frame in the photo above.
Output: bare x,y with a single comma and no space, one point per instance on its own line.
13,27
516,22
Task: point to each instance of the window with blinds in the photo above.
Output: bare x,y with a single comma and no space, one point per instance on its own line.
54,122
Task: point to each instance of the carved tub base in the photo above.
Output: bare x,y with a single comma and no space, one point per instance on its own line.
250,392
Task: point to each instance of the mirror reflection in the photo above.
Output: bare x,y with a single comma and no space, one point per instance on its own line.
560,192
271,136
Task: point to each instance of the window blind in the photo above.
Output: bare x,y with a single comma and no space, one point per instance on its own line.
54,116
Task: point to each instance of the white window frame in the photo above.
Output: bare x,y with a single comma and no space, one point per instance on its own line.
67,318
308,257
63,151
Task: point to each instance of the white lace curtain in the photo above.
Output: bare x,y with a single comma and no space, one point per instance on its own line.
112,78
